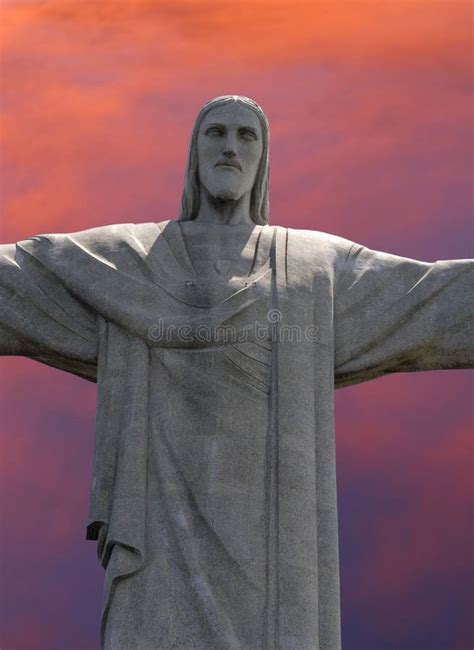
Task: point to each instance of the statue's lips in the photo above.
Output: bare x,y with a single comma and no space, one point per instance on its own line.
229,166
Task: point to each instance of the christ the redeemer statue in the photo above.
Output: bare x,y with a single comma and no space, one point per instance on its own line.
216,342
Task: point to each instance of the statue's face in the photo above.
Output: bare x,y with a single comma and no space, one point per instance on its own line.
229,149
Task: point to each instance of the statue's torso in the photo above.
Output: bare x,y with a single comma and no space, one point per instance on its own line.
206,470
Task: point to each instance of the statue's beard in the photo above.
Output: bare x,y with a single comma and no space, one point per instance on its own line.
223,195
227,195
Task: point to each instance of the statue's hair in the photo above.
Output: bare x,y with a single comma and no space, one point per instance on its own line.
191,198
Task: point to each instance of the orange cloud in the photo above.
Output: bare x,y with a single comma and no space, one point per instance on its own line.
259,31
100,95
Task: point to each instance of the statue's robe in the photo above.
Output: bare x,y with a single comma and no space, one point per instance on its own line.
213,495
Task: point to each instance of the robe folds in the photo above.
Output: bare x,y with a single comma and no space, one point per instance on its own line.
214,436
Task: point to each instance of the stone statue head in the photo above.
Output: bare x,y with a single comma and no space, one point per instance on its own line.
258,177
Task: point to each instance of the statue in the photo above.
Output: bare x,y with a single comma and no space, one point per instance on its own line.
216,342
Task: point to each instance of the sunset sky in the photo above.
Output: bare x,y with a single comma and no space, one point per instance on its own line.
369,104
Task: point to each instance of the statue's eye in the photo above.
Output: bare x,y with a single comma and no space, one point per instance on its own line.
214,130
249,135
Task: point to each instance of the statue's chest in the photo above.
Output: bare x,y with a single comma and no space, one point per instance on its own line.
216,260
208,268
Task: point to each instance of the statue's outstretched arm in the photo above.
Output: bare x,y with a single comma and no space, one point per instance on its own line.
395,314
39,317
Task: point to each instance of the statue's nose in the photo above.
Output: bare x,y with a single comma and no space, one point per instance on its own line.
230,146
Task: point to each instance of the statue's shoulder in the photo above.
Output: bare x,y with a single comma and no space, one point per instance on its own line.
116,244
101,239
117,235
312,244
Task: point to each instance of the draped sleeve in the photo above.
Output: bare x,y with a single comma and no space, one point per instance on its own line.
40,317
395,314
